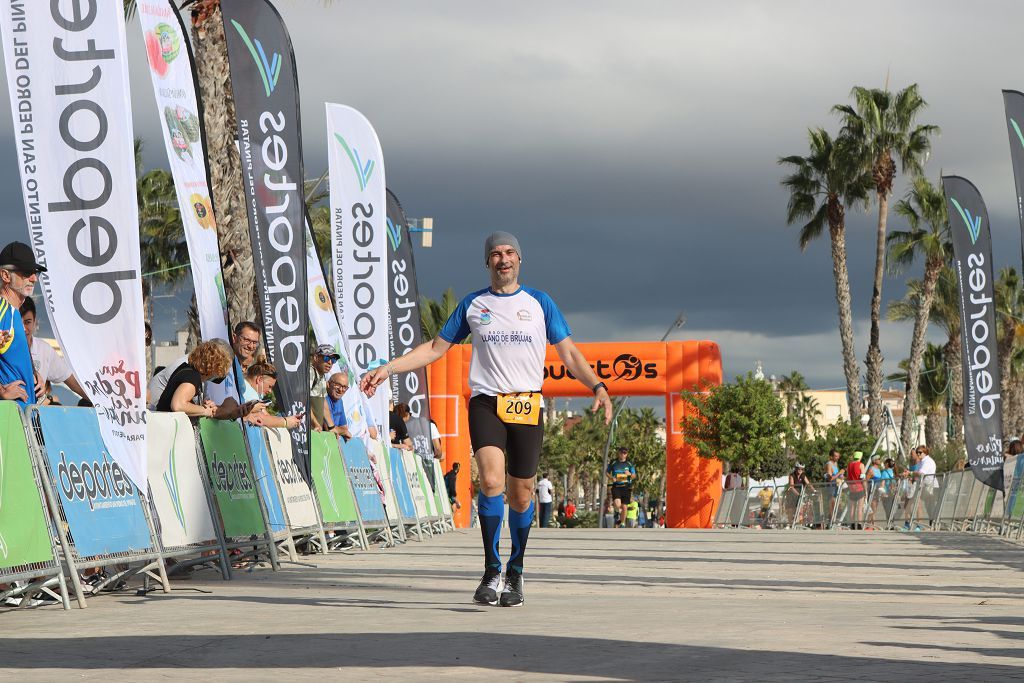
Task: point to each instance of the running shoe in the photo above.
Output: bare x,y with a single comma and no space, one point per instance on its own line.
487,592
512,594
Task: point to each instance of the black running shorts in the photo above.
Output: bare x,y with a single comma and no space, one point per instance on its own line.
521,443
623,493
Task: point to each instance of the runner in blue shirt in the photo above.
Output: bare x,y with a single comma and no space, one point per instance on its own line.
511,326
621,475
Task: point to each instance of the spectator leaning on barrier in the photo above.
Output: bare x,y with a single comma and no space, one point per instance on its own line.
260,378
49,366
321,360
18,274
184,391
334,409
245,349
397,418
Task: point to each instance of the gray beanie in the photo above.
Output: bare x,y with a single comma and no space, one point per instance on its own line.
498,238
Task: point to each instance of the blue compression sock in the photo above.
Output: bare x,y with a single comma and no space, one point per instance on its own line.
491,511
519,526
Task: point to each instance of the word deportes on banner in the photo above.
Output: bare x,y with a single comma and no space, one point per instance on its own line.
972,265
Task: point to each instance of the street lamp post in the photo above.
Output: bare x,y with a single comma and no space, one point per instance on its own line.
676,324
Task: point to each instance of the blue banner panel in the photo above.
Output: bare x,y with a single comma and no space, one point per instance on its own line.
400,480
357,466
265,477
101,504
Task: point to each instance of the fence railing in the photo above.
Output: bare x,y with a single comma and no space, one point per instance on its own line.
955,501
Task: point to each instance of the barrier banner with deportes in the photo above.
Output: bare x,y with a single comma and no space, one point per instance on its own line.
67,74
295,492
1013,103
440,491
972,267
364,486
323,318
231,478
100,502
175,482
24,533
337,504
265,479
419,498
400,484
359,242
270,146
181,122
380,461
405,331
428,490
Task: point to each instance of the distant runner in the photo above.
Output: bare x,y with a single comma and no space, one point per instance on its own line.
511,326
621,475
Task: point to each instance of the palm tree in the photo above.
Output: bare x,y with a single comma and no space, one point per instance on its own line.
924,207
821,186
434,313
161,236
933,390
944,312
1009,296
883,125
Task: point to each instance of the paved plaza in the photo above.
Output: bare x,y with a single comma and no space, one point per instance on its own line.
607,605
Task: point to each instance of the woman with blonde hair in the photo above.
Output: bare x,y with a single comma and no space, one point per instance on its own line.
184,390
260,378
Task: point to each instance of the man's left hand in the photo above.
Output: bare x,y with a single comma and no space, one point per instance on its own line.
601,398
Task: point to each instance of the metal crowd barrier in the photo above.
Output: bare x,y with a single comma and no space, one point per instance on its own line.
955,501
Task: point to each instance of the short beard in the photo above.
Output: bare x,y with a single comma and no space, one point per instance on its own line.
502,279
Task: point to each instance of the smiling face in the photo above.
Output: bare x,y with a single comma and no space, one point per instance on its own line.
503,263
337,385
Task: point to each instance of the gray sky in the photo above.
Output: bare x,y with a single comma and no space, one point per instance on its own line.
632,148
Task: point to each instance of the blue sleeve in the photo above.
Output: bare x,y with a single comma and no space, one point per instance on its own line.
457,327
554,323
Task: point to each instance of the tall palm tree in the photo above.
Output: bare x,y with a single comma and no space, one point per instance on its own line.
945,313
1009,296
924,208
821,186
884,125
933,390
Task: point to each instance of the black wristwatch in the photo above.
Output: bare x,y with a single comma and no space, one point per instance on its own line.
599,385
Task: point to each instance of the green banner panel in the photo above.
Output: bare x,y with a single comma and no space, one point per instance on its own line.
24,537
332,490
231,477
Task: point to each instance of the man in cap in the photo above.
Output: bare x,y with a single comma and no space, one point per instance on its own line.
621,474
18,275
510,326
321,360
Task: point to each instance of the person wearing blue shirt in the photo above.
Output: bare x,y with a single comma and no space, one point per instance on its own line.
337,385
18,275
510,327
621,475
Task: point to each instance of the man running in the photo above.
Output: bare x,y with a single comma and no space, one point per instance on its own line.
621,475
511,326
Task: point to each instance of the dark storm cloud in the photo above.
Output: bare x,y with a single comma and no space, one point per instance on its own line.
633,147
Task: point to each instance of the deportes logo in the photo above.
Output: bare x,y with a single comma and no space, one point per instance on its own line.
363,171
973,223
394,235
627,367
270,69
1016,129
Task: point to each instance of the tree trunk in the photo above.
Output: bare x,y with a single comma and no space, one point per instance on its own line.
1004,347
934,429
873,361
211,62
842,279
908,424
951,352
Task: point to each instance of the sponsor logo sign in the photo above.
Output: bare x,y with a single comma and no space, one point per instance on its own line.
364,486
67,75
972,264
625,367
267,108
176,482
24,535
231,478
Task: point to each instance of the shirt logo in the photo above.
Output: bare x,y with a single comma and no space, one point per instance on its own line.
524,315
485,316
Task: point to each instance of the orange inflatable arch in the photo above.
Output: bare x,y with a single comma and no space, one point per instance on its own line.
629,369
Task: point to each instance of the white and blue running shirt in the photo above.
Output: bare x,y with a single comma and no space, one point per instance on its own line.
510,337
